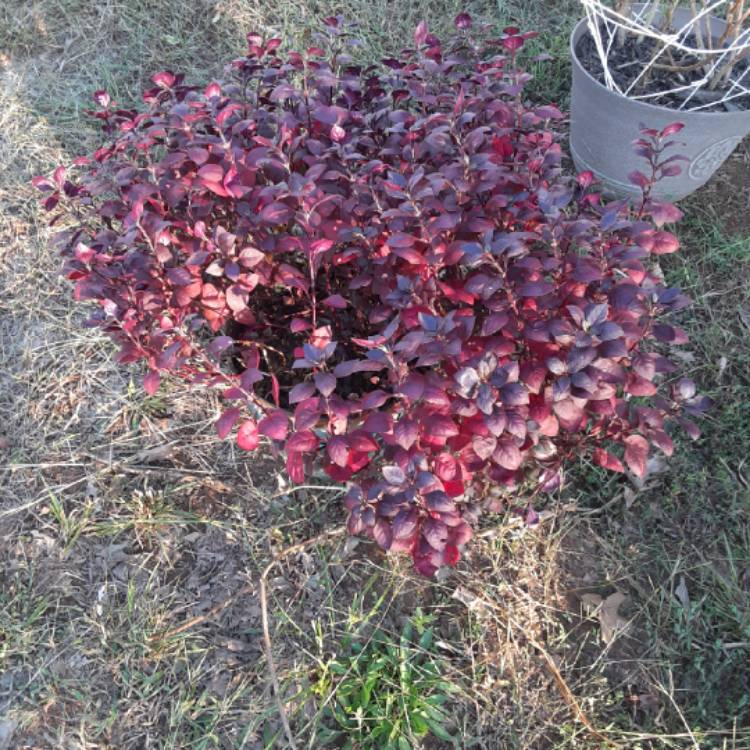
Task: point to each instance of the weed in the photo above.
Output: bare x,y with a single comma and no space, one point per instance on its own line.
386,693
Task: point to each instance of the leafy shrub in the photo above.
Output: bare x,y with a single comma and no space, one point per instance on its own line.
388,694
387,273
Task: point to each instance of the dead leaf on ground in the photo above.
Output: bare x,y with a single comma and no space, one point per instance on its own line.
468,599
630,497
656,464
684,356
745,316
157,453
591,602
610,620
681,592
646,702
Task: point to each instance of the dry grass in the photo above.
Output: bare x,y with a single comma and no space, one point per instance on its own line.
121,515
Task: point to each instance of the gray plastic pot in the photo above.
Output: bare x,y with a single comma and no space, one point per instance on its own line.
604,125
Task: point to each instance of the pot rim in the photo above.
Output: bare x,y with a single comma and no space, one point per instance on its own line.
582,27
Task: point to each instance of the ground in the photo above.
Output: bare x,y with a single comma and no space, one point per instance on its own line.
122,517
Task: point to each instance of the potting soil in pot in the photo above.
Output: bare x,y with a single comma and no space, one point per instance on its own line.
627,61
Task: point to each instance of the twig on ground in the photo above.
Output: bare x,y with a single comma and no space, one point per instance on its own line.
544,517
44,496
298,487
200,619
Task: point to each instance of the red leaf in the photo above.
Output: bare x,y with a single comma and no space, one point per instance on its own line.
638,386
211,173
512,43
663,212
410,255
362,442
377,423
302,442
507,455
451,554
436,533
636,454
295,467
247,436
164,79
658,242
585,179
101,97
440,427
199,155
484,447
59,176
535,289
671,129
607,460
151,382
569,412
493,323
236,298
420,34
664,243
251,256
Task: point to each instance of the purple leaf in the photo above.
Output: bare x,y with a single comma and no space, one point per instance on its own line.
393,474
405,523
338,450
300,392
275,425
406,432
484,447
325,383
436,533
382,534
226,421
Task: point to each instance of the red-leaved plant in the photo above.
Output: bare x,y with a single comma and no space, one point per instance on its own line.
388,274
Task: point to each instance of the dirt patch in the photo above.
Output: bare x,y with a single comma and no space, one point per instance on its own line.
728,192
587,587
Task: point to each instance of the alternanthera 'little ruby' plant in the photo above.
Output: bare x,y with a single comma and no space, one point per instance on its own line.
387,273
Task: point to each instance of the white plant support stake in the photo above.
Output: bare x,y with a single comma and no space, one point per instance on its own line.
605,23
